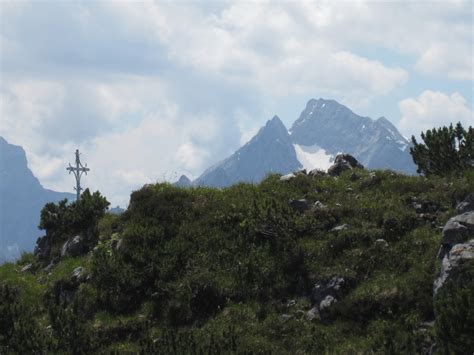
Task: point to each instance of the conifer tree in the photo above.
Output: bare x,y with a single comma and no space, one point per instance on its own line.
444,151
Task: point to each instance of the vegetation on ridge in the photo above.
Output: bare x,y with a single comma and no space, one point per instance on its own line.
232,270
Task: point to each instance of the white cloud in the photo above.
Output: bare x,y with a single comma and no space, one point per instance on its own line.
265,46
433,109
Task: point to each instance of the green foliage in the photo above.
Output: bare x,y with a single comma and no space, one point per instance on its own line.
66,219
445,151
63,220
455,312
19,328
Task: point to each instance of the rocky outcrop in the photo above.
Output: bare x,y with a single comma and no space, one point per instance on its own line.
74,246
458,229
457,245
343,162
467,204
324,295
452,261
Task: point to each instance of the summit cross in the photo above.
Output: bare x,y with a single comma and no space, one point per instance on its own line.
78,170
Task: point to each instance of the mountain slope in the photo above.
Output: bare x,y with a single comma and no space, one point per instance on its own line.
270,151
377,144
21,200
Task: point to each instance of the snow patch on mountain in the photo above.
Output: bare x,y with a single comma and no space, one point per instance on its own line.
312,157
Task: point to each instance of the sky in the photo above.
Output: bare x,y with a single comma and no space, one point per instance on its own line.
149,90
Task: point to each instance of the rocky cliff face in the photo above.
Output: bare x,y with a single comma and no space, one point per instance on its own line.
324,129
21,200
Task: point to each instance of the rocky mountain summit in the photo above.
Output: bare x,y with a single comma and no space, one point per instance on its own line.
324,129
270,151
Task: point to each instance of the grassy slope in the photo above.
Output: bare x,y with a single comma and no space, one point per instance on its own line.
208,268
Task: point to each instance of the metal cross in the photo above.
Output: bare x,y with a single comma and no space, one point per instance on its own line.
78,170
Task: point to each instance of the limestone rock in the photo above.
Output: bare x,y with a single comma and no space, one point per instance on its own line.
74,246
457,255
459,228
467,204
342,163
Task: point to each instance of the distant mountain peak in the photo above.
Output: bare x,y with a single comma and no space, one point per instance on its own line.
183,181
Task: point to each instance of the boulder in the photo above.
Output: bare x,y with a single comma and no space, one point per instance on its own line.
451,261
343,162
299,205
74,246
467,204
459,228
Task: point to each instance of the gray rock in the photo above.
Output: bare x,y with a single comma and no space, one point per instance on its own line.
53,262
327,302
299,205
74,246
457,255
319,205
287,177
467,204
78,275
313,313
459,228
333,287
343,162
340,228
27,267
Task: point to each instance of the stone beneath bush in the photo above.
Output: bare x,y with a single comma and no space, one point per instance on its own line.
74,246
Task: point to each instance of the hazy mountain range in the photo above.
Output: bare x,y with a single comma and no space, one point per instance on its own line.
21,200
324,129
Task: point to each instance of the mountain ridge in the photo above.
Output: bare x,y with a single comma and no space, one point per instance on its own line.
323,129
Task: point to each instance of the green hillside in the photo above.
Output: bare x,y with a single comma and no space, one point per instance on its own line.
240,270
